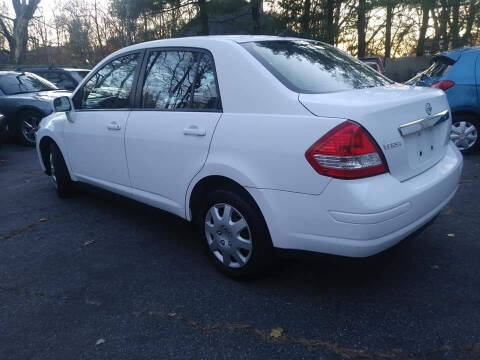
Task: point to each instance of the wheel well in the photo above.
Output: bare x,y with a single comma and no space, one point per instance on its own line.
466,112
14,120
214,182
45,151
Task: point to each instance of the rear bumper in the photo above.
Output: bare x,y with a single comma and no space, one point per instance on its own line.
361,217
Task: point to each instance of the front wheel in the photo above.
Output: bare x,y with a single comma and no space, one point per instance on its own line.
235,234
28,125
59,173
465,133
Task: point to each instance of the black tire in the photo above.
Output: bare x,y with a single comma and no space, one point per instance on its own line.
27,126
466,118
261,256
59,173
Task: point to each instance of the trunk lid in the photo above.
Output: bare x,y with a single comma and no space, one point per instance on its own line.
410,124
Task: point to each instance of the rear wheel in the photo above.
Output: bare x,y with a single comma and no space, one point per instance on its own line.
235,235
59,173
465,133
28,125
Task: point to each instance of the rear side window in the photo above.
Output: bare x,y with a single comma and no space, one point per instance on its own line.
176,80
312,67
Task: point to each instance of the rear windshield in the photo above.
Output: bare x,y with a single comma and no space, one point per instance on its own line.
440,67
313,67
20,83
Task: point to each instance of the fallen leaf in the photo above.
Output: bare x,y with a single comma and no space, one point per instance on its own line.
89,242
43,219
451,235
276,332
93,302
172,314
100,342
434,267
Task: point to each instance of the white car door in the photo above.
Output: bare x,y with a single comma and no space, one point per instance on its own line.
95,133
169,133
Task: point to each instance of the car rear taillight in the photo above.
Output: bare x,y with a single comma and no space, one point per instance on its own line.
442,85
347,152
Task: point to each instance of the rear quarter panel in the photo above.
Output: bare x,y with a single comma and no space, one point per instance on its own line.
268,151
464,95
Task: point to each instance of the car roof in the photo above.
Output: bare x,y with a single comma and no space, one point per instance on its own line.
456,53
49,68
201,40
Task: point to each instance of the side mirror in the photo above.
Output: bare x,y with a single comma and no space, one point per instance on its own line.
62,104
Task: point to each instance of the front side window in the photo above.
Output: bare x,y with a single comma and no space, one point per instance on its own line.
22,83
179,80
110,87
312,67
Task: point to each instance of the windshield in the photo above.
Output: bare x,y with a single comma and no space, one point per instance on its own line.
313,67
20,83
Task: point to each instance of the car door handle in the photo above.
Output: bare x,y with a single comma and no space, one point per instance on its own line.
194,130
113,126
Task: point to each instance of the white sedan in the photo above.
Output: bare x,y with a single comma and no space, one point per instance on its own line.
263,142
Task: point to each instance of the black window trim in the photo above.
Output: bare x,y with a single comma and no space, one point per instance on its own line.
141,53
141,79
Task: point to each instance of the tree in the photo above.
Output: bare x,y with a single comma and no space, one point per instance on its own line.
330,29
471,13
361,27
427,5
388,27
305,19
257,9
17,37
455,26
203,13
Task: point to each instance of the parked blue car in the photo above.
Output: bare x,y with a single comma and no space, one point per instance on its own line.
457,72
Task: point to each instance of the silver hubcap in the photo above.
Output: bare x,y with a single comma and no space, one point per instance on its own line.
29,128
464,135
52,170
228,235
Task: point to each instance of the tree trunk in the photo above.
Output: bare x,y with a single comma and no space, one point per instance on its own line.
444,16
97,28
257,9
18,38
330,25
202,4
472,12
423,29
455,27
305,19
361,28
388,29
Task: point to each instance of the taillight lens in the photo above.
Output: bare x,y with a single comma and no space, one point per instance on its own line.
442,85
346,152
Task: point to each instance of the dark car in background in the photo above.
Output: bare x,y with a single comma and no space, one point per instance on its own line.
25,99
457,72
63,77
